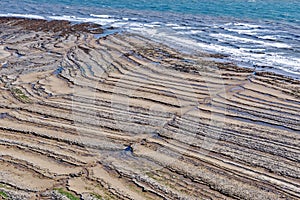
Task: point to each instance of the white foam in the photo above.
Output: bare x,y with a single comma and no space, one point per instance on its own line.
244,31
181,27
232,38
184,42
135,24
247,40
119,24
276,44
275,60
242,55
157,23
172,25
151,25
247,25
284,61
252,50
150,32
22,15
101,16
195,32
101,21
162,35
64,17
192,32
289,64
267,37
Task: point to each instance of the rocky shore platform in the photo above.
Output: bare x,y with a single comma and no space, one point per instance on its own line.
124,117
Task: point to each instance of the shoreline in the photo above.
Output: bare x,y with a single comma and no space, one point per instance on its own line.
124,117
243,44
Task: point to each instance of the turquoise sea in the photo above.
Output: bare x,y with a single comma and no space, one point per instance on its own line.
263,34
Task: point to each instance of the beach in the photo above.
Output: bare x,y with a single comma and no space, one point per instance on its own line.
125,117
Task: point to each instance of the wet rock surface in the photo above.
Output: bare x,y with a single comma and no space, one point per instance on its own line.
61,27
123,117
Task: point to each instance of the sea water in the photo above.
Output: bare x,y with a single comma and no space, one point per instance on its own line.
262,34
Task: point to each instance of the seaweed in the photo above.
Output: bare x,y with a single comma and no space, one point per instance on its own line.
67,194
20,95
3,195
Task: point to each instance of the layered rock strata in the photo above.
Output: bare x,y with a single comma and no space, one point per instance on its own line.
123,117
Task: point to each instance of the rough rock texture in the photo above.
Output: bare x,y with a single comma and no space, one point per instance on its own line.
123,117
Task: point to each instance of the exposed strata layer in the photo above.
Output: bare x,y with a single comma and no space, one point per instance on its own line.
123,117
